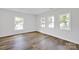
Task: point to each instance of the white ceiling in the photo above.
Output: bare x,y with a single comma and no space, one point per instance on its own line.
33,11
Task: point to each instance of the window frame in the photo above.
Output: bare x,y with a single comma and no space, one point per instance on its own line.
19,23
51,20
68,22
43,21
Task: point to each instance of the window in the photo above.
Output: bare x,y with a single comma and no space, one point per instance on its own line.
19,23
65,22
42,22
51,22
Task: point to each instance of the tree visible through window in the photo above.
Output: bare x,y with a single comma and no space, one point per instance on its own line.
51,22
65,21
19,23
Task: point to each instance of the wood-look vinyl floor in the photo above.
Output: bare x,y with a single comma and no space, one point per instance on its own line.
34,41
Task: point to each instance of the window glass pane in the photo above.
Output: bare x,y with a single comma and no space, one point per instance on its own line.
65,22
42,25
19,23
42,22
51,22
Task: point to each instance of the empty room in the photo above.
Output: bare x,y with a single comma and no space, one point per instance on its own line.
39,28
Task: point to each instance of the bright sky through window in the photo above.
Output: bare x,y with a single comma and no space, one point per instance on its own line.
19,23
42,22
51,22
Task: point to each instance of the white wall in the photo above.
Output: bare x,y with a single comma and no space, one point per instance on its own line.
7,22
72,35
